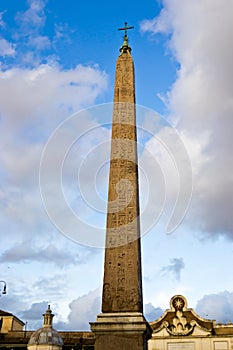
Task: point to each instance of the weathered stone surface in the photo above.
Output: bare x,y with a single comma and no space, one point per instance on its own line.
180,328
122,325
125,331
122,289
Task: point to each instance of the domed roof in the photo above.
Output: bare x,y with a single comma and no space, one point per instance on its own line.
46,334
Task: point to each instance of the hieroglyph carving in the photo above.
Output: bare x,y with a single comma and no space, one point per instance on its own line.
122,273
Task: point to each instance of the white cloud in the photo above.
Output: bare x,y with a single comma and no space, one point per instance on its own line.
47,92
40,42
32,42
175,267
6,48
200,101
49,254
218,307
35,312
13,303
34,16
159,24
33,102
2,23
152,313
85,309
62,32
82,311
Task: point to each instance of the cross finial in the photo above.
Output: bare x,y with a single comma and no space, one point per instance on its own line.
125,28
125,47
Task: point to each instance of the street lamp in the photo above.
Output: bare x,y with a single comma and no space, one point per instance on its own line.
4,287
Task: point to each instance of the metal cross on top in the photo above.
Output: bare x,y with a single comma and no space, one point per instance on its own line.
125,28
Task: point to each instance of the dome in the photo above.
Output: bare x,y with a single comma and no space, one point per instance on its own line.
46,335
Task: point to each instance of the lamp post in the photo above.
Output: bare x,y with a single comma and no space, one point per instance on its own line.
3,291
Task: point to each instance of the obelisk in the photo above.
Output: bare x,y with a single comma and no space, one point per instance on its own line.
121,326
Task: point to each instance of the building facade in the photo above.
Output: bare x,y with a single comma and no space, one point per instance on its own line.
180,328
13,336
9,322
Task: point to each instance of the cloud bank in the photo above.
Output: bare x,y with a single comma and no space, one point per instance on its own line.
200,102
217,306
37,93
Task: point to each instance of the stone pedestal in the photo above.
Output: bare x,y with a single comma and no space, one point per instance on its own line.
121,331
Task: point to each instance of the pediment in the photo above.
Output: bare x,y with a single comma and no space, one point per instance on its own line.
181,321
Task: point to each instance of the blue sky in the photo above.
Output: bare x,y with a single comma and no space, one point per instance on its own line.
58,58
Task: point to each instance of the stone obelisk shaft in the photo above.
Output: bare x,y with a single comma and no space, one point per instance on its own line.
122,289
121,325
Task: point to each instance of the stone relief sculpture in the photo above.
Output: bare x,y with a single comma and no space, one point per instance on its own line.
179,324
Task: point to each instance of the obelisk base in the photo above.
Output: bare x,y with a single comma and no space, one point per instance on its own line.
121,331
